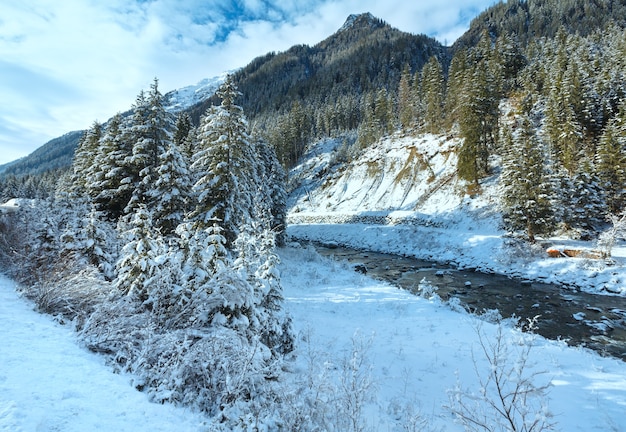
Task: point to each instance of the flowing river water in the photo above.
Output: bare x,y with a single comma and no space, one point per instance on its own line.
595,321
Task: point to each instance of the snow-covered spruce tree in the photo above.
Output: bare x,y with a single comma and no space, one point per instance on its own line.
258,262
383,111
478,122
189,146
564,131
138,263
433,95
86,238
526,188
84,160
101,244
172,191
582,200
270,200
611,161
182,128
225,166
201,253
151,135
369,130
114,189
406,103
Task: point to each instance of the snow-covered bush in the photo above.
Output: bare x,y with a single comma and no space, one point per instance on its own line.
427,290
206,367
69,295
607,239
331,393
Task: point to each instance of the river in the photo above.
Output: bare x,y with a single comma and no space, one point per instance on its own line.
595,321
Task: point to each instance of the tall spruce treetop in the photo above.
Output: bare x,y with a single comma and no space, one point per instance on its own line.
478,122
172,190
84,160
151,135
183,126
225,166
112,192
270,201
433,95
406,102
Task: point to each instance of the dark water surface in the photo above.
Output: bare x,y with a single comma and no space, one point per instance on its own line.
581,319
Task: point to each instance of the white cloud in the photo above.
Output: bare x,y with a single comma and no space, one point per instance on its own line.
65,64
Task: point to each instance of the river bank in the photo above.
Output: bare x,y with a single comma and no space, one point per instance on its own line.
465,239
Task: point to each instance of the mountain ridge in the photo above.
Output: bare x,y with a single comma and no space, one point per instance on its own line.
346,66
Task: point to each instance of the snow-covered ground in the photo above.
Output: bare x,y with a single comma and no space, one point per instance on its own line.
412,352
416,349
48,383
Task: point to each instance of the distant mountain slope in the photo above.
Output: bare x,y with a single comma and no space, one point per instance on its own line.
56,153
186,97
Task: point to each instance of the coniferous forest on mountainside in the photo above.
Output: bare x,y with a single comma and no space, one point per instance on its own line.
155,232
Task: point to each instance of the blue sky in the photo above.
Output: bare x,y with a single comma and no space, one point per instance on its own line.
64,64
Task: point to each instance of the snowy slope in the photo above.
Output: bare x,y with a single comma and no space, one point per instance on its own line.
402,196
397,173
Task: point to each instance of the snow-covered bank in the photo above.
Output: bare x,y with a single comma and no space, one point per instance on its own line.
402,196
414,351
49,383
473,244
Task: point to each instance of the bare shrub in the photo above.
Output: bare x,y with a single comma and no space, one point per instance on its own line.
356,384
511,395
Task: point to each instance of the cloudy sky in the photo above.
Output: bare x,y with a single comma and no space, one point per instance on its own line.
64,64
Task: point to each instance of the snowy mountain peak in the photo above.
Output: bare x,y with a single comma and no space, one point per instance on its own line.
185,97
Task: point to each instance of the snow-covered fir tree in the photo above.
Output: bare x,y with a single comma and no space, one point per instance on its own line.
182,128
433,95
256,257
151,134
611,161
580,199
406,100
114,188
138,264
526,186
225,166
477,115
270,201
172,190
84,160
